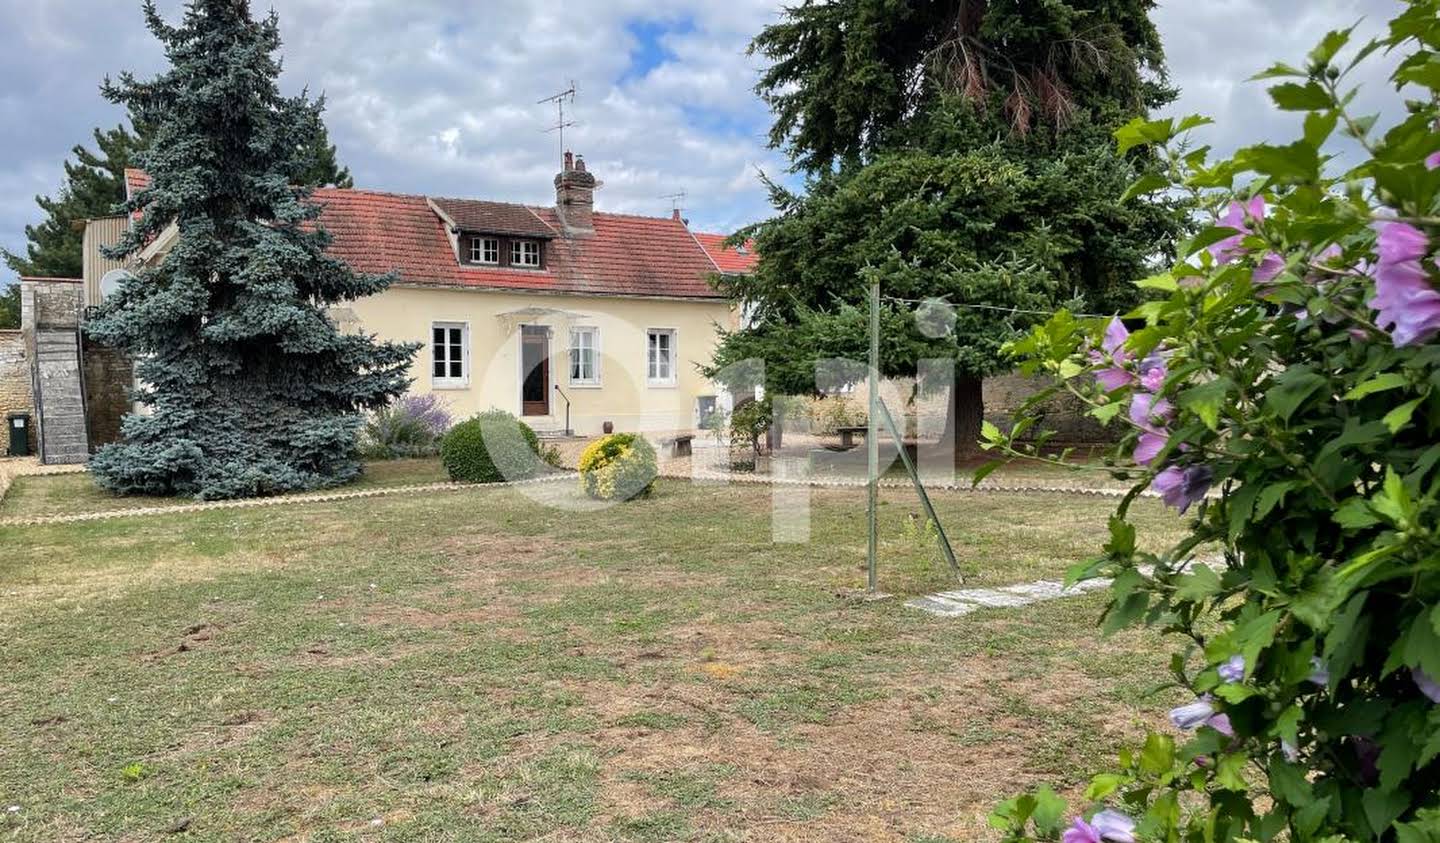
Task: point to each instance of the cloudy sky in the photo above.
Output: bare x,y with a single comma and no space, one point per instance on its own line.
439,96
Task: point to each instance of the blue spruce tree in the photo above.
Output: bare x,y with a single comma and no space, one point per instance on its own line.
250,386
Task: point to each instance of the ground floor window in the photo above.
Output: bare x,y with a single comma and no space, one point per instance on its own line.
585,356
450,354
660,357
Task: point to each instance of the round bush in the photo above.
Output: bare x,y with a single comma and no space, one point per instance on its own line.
492,447
618,467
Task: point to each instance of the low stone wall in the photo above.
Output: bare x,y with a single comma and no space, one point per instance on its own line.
1064,414
15,390
923,416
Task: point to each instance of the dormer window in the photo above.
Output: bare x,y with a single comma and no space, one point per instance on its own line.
525,253
484,250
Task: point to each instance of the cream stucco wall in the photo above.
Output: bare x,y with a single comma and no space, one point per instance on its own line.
494,319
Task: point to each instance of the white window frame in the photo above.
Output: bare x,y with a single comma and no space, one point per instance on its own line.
480,246
521,250
669,380
448,381
594,380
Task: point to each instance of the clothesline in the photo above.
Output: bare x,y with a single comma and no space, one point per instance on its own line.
990,307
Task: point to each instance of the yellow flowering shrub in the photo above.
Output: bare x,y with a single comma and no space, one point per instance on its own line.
620,466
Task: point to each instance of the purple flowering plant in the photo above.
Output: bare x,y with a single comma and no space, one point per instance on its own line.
410,426
1280,388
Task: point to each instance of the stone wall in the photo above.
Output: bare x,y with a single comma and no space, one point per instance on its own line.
15,394
108,378
1064,414
924,417
51,303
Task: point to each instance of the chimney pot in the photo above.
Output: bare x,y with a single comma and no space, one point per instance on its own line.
575,197
675,215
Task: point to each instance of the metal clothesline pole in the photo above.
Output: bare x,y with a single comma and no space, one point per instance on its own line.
872,438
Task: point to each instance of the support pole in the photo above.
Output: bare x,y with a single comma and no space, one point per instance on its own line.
940,537
872,437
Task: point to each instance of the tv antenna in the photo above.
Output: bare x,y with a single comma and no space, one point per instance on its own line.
567,95
677,199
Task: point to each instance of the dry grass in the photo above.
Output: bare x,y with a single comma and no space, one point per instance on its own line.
475,666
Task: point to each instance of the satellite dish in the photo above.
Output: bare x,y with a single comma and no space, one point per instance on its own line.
110,282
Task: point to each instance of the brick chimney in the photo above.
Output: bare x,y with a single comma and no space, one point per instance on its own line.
575,196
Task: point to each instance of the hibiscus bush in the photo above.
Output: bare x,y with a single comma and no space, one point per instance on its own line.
1281,388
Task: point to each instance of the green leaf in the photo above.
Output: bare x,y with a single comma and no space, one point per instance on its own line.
1308,818
1049,809
1147,183
1206,400
1241,505
1383,807
1103,785
1164,281
1398,418
1294,96
1355,514
1287,782
1334,40
1379,383
984,471
1192,121
1345,641
1319,126
1273,495
1278,70
990,433
1229,772
1142,132
1296,163
1291,390
1200,584
1158,754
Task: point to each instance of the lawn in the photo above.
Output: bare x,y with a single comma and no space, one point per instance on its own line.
472,665
71,494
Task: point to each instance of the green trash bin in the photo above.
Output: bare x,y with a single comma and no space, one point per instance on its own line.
19,426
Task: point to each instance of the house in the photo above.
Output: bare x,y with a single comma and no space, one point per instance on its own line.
574,319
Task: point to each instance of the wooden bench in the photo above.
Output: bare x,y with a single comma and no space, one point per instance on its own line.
679,445
847,434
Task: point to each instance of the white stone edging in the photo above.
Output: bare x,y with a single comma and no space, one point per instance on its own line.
278,500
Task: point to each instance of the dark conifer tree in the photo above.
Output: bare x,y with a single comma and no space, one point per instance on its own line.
251,387
952,149
94,187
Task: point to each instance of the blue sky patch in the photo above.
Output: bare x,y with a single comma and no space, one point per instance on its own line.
650,51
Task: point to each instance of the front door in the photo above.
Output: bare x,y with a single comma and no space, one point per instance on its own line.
535,370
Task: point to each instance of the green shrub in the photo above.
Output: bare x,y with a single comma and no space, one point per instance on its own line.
492,447
618,467
1282,388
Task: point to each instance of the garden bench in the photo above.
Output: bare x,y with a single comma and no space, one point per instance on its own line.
847,434
679,445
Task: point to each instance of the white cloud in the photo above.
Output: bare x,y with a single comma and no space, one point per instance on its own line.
439,96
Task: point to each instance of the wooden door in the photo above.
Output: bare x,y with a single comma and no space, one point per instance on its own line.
535,370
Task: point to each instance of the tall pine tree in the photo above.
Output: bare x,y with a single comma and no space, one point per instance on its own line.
94,186
952,149
251,388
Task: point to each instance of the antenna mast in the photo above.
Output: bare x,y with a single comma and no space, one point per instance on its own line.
677,199
560,122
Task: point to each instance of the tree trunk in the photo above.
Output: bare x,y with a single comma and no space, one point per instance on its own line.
962,420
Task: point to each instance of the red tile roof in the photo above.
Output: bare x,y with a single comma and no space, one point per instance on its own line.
379,232
627,255
730,261
135,181
494,217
